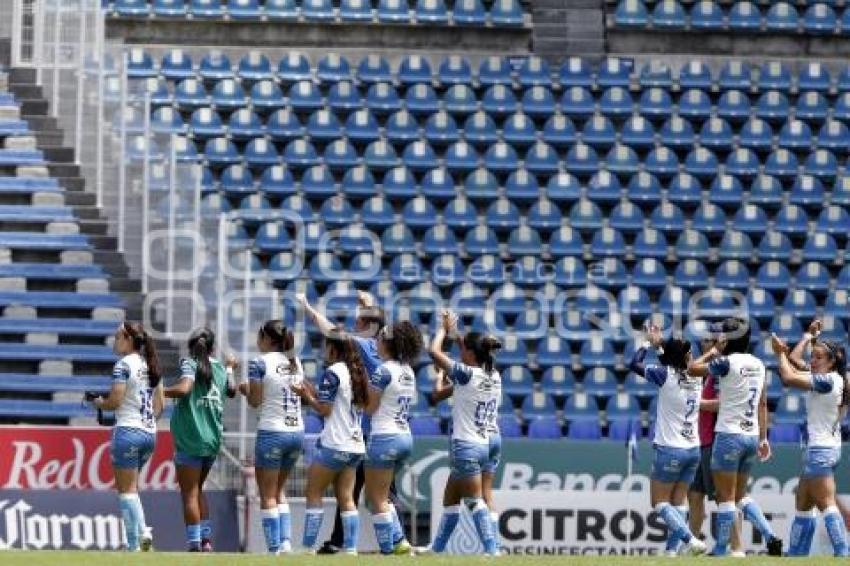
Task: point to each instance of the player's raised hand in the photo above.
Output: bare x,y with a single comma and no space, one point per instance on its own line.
815,327
779,347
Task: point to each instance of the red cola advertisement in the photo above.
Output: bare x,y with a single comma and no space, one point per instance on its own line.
61,457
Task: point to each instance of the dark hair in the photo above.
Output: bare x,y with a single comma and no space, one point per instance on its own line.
836,353
737,332
282,337
403,340
482,347
201,345
144,344
372,317
675,353
347,353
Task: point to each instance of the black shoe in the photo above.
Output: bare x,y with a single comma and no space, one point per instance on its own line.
327,548
774,547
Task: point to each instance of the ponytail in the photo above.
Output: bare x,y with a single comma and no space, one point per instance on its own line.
347,353
283,339
144,344
484,348
201,345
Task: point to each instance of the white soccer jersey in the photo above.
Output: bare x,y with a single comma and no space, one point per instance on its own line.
496,402
341,430
136,409
397,384
823,410
677,411
740,378
474,402
280,410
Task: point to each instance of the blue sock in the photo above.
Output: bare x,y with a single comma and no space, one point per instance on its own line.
312,525
753,513
193,536
350,529
837,532
724,522
802,528
131,521
675,522
285,518
672,539
206,529
494,521
271,529
809,537
383,523
398,531
451,516
481,518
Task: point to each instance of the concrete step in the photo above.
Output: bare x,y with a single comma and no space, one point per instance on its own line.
34,107
79,198
61,155
103,242
74,184
40,122
25,91
94,227
63,170
124,285
48,139
20,75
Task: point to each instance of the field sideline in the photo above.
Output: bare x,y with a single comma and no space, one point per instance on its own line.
54,558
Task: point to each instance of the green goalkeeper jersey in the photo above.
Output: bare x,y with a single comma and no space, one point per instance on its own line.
196,423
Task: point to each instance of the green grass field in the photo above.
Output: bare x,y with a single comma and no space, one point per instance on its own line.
162,559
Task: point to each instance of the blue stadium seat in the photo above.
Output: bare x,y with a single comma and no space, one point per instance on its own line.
206,123
661,162
212,9
284,125
656,74
820,19
773,276
524,241
734,106
481,185
547,427
344,98
608,242
782,16
399,184
376,213
631,13
382,99
638,133
833,135
460,214
356,238
701,163
604,187
706,15
538,102
255,67
791,220
614,72
558,381
744,16
823,164
506,13
373,68
419,213
774,246
481,240
460,100
599,132
140,64
380,156
534,71
627,217
692,244
340,155
305,97
586,216
813,276
437,185
668,14
677,133
691,274
469,13
693,103
735,75
480,129
582,159
668,218
599,382
393,11
300,154
564,188
576,71
176,65
431,12
735,245
333,67
541,158
596,353
402,127
441,129
570,273
461,157
169,8
650,243
260,152
356,11
398,239
553,351
616,102
566,242
419,156
521,187
406,270
622,407
814,108
834,220
578,102
362,127
710,219
695,74
454,70
494,70
518,130
336,212
438,240
716,134
190,94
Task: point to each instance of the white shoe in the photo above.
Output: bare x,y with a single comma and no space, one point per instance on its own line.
285,547
146,540
738,554
674,553
310,552
423,550
349,552
695,548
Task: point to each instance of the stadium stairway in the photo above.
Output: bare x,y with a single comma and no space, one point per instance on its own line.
565,28
63,284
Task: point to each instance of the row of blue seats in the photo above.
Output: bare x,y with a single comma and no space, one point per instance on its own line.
643,129
735,74
501,13
742,16
461,102
580,159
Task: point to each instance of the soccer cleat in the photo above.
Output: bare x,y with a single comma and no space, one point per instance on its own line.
403,548
285,547
738,554
695,548
674,553
774,547
328,548
206,545
423,550
350,552
146,540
